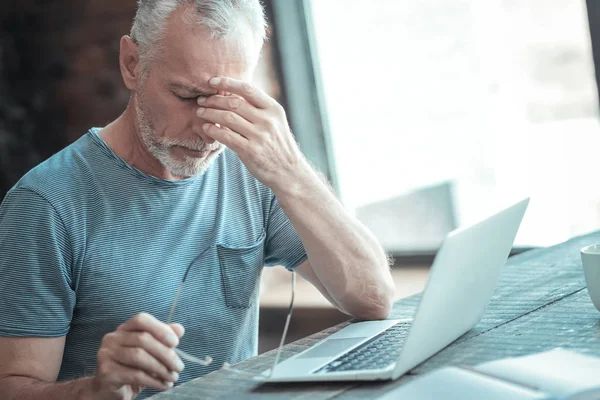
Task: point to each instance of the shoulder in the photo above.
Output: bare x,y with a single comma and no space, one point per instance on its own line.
61,175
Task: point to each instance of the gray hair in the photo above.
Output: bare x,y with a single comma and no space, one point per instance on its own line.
222,18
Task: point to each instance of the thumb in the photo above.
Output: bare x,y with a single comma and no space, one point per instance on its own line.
178,329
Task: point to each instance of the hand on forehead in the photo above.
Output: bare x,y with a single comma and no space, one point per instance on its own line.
225,84
242,89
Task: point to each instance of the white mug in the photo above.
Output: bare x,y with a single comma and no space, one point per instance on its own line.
590,257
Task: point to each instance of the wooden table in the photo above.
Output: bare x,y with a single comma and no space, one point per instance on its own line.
540,303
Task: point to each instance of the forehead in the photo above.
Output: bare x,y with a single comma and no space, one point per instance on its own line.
188,52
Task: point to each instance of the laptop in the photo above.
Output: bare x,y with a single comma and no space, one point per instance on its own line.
461,282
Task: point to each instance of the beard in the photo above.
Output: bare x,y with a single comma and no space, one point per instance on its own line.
161,148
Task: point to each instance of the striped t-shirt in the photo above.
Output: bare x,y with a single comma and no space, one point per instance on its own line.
87,242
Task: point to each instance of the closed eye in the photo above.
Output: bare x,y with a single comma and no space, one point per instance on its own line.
183,98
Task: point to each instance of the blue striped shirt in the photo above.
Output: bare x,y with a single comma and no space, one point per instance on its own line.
87,242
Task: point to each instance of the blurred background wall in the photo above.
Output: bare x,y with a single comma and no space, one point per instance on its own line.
58,76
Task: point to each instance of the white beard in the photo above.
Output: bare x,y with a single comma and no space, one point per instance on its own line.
161,148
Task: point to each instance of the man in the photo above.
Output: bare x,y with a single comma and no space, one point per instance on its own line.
201,170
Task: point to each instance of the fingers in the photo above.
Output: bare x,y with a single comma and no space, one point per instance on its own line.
228,119
140,353
251,93
147,323
115,375
226,136
163,355
140,359
234,104
178,329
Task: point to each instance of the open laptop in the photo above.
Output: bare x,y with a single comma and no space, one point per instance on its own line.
461,282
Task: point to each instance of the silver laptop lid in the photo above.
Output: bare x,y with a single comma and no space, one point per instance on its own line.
461,282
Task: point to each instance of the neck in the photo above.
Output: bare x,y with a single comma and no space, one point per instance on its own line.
123,136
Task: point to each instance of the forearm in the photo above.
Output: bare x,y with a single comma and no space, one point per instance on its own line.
25,388
345,256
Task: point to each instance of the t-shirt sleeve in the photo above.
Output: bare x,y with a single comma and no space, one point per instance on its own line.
283,245
36,295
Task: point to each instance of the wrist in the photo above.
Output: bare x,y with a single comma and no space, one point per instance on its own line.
92,390
296,183
87,391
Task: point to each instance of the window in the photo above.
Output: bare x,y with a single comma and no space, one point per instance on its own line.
495,100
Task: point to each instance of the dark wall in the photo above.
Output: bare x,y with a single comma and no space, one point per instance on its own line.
58,76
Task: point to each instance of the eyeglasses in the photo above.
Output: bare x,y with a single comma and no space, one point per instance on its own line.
226,366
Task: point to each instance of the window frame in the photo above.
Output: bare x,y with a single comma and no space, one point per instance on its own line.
297,61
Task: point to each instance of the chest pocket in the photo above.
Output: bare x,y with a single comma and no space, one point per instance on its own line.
241,268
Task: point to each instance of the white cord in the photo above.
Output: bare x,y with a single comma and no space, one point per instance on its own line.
228,367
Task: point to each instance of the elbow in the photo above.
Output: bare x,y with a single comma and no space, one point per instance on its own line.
376,304
373,313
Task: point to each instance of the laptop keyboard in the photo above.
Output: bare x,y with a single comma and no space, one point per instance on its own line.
376,353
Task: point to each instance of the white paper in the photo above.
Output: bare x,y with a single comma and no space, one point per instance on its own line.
558,372
451,383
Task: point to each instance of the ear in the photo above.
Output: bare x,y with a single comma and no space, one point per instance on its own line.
129,61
